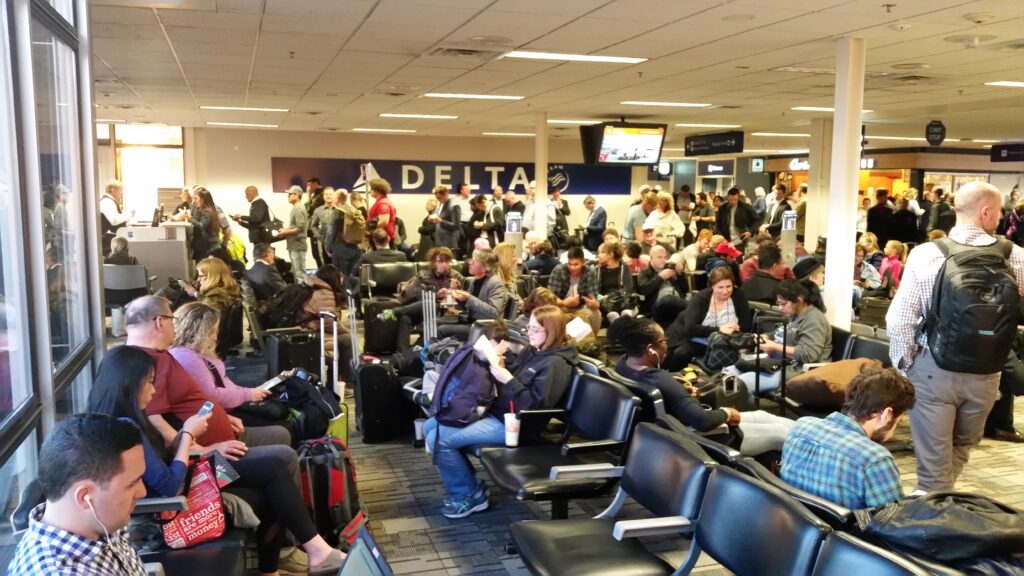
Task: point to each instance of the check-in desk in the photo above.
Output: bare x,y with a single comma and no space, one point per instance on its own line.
163,250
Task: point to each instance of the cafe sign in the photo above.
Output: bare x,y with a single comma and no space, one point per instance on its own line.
802,165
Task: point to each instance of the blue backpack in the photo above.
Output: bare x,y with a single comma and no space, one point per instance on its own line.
465,390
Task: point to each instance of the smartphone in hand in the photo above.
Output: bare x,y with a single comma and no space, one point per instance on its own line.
206,409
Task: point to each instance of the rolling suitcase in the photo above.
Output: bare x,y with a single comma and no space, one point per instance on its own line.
382,412
337,426
291,350
381,337
873,311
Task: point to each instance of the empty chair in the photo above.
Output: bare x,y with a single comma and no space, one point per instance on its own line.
843,554
591,365
862,329
871,347
602,412
664,472
652,403
385,278
123,283
712,444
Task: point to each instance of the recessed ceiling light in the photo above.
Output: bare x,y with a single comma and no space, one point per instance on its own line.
781,134
574,121
243,108
911,66
422,116
491,39
573,57
709,125
669,104
397,130
776,151
980,140
108,121
738,18
1006,84
472,96
873,137
508,134
241,125
820,109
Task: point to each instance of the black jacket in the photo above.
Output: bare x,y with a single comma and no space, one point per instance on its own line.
678,402
257,221
761,287
540,379
697,310
744,219
775,224
265,279
648,283
383,256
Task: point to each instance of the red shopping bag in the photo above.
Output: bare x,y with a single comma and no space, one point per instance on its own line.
203,517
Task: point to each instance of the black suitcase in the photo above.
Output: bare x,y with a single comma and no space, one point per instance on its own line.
292,350
381,330
873,311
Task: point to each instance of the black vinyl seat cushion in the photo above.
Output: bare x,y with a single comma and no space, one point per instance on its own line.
844,554
582,548
525,472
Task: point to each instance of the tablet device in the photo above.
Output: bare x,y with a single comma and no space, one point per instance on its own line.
273,382
364,558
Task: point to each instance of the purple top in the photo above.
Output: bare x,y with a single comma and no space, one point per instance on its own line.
198,366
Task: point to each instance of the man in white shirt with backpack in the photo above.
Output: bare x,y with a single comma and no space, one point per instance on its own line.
953,351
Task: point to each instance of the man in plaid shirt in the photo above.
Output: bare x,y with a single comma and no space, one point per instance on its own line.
90,472
841,458
949,417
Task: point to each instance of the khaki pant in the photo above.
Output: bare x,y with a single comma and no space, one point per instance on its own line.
948,418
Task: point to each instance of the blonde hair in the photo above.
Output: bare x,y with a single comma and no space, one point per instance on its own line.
506,253
665,198
910,194
218,275
553,320
195,328
897,246
869,241
112,185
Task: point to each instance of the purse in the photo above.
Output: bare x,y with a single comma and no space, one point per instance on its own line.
724,349
202,519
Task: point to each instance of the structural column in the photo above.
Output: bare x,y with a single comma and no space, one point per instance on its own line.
540,174
842,184
820,159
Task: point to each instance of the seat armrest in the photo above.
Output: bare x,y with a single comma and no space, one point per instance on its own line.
154,505
591,447
651,527
286,330
716,431
542,413
583,471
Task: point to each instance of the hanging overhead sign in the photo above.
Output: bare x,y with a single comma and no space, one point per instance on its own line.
718,143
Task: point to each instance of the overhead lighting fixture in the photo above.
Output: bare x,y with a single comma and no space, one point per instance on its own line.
243,108
422,116
395,130
574,121
668,104
820,109
708,125
776,151
781,134
472,96
241,125
108,121
508,134
573,57
916,139
978,140
1006,84
674,149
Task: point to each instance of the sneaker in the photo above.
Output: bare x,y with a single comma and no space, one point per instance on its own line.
462,508
480,489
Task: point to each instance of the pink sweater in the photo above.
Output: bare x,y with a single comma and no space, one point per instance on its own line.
892,263
230,396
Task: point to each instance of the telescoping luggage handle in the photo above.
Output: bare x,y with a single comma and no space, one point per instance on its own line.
429,303
352,327
323,356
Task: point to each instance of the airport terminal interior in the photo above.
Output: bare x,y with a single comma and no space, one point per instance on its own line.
604,162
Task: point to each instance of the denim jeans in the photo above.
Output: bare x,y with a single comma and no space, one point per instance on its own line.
454,466
298,258
347,258
769,381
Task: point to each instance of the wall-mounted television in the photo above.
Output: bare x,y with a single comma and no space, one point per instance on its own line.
622,143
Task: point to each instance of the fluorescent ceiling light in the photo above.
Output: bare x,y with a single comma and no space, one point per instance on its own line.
508,133
671,104
674,149
574,121
1006,83
983,141
820,109
472,96
872,137
241,124
777,151
382,130
573,57
781,134
423,116
709,125
243,108
108,121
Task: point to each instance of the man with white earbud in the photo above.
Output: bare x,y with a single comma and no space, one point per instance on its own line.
90,473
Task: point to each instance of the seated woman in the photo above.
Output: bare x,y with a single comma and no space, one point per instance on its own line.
873,254
267,481
439,275
646,347
215,286
328,289
865,276
808,334
119,253
718,308
535,378
615,282
544,259
484,297
196,327
543,297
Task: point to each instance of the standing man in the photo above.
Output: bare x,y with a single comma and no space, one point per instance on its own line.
879,216
512,204
462,200
296,234
949,416
636,215
801,212
111,216
735,219
773,218
323,216
447,220
258,220
841,458
684,203
343,236
383,211
597,221
316,199
90,472
493,225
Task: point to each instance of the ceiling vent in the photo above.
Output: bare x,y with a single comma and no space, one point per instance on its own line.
466,52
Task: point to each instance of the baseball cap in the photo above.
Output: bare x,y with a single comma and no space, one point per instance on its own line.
727,249
294,190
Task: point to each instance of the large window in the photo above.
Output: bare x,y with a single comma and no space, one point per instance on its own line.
15,474
148,158
55,80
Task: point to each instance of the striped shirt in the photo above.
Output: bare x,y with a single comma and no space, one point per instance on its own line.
834,459
48,551
909,308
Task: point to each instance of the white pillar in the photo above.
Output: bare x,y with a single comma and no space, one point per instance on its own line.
844,173
820,158
540,174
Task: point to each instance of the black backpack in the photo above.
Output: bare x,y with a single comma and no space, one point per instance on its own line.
311,404
972,320
281,310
